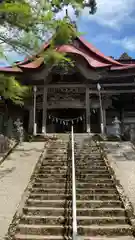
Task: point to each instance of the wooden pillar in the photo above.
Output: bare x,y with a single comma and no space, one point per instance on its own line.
88,130
44,110
30,127
104,117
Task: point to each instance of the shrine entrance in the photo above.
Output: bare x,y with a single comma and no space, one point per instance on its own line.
56,123
95,120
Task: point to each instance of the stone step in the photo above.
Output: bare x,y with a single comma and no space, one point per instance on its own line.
43,184
90,164
92,181
50,211
57,159
91,167
50,181
109,230
53,168
37,237
52,171
97,196
51,175
83,196
46,220
90,176
92,171
89,191
54,163
56,154
86,220
105,230
81,204
41,229
101,212
109,220
42,196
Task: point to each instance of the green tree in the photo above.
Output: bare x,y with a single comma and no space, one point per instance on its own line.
26,24
11,89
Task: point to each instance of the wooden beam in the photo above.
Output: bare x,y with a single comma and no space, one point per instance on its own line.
112,91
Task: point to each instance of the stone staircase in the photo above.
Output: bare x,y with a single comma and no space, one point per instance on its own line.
100,212
47,213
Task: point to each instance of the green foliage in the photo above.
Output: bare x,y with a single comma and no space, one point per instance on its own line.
13,90
25,20
26,24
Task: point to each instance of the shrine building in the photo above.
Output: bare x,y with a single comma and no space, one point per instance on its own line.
89,95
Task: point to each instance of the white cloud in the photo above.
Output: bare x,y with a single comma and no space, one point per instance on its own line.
62,13
128,43
112,13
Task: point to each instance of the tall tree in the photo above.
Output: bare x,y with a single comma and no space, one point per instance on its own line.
26,24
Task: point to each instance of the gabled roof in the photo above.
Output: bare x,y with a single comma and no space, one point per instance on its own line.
80,47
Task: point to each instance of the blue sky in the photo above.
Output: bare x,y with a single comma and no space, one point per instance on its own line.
111,29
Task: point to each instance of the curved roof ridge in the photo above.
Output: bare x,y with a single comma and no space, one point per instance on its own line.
93,49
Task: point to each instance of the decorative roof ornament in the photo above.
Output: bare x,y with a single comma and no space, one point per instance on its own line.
125,56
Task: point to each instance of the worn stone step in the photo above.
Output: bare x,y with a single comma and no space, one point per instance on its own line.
106,230
89,220
50,181
92,167
37,220
56,154
41,229
92,176
48,190
108,238
53,167
101,212
50,185
92,171
39,237
81,204
43,183
95,180
50,211
43,237
44,211
96,190
91,164
43,196
54,163
51,175
80,184
46,203
97,196
81,220
90,191
98,203
52,171
49,159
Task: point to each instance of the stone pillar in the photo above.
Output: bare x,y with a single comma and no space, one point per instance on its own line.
88,130
44,110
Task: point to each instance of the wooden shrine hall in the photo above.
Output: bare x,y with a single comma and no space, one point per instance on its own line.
89,95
